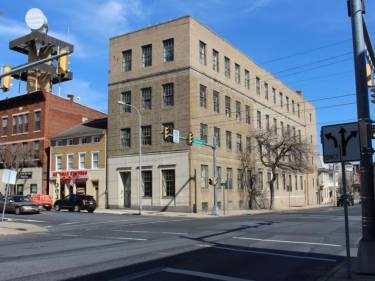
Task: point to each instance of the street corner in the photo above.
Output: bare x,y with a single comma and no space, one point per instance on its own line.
14,228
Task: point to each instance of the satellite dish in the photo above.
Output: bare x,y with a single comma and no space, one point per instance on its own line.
36,20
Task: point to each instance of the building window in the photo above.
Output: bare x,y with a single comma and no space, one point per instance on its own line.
58,162
266,90
147,55
125,138
204,176
284,182
14,123
147,183
237,73
69,162
260,180
203,96
238,111
146,98
247,113
14,149
257,86
228,139
281,99
168,177
26,122
36,149
168,50
301,182
215,60
202,52
229,178
33,188
282,127
287,103
227,106
248,143
227,67
171,127
239,179
126,61
239,143
94,139
295,183
37,121
299,136
126,97
95,160
146,135
4,123
20,123
168,94
217,135
268,122
203,132
274,125
259,120
274,95
82,161
25,151
293,109
247,79
298,111
216,101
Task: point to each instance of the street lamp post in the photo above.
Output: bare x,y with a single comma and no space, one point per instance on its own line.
140,154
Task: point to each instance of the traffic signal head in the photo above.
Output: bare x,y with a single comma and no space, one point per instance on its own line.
210,181
166,132
5,81
373,131
63,64
369,75
190,138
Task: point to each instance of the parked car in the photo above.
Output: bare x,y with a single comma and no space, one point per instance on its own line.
44,201
19,204
76,203
349,199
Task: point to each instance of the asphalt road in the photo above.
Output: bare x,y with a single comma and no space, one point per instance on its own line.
298,245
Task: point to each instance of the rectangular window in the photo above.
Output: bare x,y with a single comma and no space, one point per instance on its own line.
25,150
239,179
228,139
248,143
238,111
37,118
126,97
217,135
295,183
203,96
20,123
229,178
4,123
147,183
14,123
169,187
293,109
290,183
260,180
227,67
298,111
281,99
227,106
284,182
168,50
69,162
126,61
58,162
288,130
94,139
259,120
82,161
36,149
202,53
146,135
168,94
274,95
216,101
95,160
257,86
204,176
274,125
14,149
247,79
215,60
277,181
287,103
268,122
248,116
239,143
125,138
33,188
266,90
146,98
26,122
203,132
237,73
147,55
171,127
282,127
301,182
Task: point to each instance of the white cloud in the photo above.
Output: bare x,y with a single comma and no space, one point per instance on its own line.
255,4
12,29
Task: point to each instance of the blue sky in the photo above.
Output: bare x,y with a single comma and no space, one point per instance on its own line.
307,44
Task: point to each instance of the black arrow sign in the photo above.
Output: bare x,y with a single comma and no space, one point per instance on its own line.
329,136
344,141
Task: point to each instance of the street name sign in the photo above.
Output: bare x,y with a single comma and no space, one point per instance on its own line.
176,136
341,143
198,141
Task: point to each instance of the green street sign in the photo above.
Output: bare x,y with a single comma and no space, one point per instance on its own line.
198,141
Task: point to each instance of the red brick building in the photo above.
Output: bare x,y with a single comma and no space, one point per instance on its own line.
27,123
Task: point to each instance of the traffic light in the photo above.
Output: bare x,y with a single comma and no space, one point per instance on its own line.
369,76
166,132
190,138
5,81
210,181
63,64
373,131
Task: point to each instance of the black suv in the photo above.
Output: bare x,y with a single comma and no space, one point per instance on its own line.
349,199
76,203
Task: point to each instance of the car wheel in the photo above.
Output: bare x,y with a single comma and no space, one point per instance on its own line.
91,211
57,207
76,208
18,211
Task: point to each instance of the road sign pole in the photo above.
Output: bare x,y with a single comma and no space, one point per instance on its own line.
366,250
215,209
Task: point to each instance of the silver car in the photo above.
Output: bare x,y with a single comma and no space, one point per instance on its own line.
19,204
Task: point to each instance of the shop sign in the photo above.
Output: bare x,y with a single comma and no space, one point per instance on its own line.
25,175
70,174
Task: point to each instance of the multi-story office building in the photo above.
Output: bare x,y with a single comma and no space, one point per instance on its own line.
182,75
78,158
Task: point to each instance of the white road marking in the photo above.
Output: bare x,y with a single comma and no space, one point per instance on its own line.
26,220
287,241
151,232
71,235
268,253
119,238
202,274
65,223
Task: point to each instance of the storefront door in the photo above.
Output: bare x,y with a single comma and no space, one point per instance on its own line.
126,183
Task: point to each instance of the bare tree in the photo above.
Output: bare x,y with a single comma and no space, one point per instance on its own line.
278,153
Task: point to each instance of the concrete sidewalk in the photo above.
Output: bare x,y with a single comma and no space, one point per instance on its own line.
340,273
14,228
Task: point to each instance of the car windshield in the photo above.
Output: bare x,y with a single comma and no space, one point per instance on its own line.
21,199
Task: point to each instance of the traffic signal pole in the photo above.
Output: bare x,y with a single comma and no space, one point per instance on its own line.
366,250
215,209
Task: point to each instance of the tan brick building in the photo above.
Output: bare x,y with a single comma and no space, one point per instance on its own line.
183,75
78,161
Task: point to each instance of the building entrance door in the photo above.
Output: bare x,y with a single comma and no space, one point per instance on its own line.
126,183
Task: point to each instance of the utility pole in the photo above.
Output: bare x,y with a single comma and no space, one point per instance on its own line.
366,251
